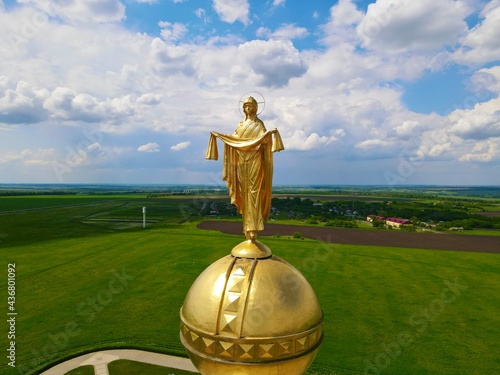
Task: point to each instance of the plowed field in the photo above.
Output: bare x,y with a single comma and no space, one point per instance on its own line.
394,238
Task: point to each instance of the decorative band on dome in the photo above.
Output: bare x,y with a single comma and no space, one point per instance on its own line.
251,349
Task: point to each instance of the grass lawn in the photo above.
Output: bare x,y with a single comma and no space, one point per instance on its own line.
84,370
126,367
83,287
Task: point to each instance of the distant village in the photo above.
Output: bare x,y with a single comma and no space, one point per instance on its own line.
398,214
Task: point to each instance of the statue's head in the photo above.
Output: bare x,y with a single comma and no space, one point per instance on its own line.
250,105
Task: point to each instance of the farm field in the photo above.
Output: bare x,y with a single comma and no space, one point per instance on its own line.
391,238
85,284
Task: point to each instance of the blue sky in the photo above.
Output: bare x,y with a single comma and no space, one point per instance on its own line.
363,92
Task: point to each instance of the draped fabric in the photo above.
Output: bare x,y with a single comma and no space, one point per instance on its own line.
248,169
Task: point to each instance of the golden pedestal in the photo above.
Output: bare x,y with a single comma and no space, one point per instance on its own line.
251,313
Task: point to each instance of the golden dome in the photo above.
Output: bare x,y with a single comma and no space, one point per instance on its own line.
251,314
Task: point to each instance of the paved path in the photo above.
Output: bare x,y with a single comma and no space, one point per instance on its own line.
101,359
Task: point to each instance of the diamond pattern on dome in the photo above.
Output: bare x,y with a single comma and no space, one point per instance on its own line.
226,349
229,323
313,337
194,337
235,284
249,352
245,351
234,300
239,271
301,344
266,350
208,345
184,329
284,348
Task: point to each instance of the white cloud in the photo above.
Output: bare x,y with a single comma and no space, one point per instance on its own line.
396,26
482,43
287,31
483,152
275,62
180,146
340,30
27,158
480,123
82,11
345,13
301,141
278,2
485,81
149,147
21,104
375,143
150,99
65,104
231,11
200,12
407,129
169,59
172,31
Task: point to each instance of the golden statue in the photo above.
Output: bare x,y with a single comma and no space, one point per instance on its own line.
248,167
250,312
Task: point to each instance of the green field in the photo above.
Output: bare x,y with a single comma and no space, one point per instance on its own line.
85,284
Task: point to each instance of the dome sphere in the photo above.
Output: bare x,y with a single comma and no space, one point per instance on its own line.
251,316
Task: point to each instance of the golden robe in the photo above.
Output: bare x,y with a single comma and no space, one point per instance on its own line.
248,169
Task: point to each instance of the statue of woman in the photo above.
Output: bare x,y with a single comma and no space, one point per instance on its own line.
248,167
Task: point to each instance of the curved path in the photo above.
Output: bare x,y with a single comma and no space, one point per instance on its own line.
393,238
101,359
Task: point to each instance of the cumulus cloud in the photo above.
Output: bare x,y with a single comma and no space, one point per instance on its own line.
407,129
303,142
485,81
483,152
66,104
480,123
275,62
345,13
22,103
150,99
180,146
287,31
170,59
375,143
82,11
27,157
149,147
231,11
482,44
340,30
392,26
172,31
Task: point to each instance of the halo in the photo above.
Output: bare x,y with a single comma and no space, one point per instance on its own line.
257,96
